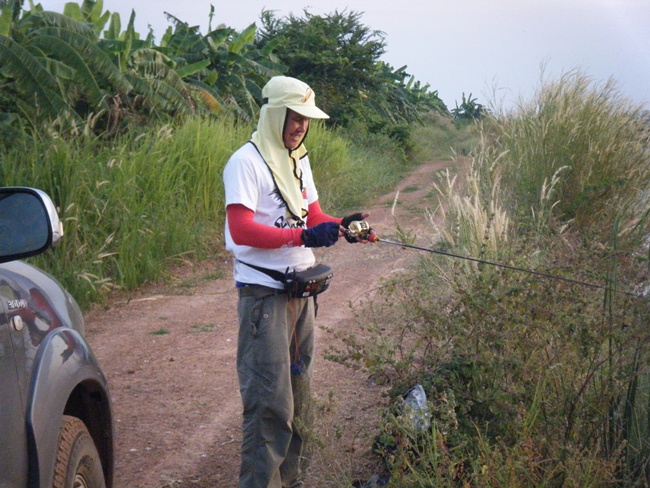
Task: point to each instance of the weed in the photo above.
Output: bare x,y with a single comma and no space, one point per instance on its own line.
161,331
203,328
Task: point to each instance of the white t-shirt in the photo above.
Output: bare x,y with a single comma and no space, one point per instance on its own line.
248,181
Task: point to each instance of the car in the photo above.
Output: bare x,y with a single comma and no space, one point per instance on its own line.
56,421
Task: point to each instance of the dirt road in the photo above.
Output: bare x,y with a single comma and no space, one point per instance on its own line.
169,354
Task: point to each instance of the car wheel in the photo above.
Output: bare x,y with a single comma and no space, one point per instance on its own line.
77,460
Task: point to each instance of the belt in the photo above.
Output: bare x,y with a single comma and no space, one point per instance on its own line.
259,291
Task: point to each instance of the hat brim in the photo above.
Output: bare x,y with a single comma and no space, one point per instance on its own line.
310,111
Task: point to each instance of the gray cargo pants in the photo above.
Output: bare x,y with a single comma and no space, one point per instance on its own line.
274,332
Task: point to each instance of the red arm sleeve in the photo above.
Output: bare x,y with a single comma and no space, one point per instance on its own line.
316,216
246,232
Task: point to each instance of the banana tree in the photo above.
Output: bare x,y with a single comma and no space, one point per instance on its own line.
57,66
53,68
157,85
90,12
224,68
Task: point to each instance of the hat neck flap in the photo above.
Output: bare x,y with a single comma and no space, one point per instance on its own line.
284,163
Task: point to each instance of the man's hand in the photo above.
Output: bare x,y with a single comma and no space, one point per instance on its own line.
345,223
321,235
352,218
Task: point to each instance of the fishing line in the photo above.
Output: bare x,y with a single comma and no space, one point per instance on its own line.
362,230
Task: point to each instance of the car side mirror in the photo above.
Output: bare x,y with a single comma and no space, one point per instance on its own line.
29,223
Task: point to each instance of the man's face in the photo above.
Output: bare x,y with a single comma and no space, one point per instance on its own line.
295,127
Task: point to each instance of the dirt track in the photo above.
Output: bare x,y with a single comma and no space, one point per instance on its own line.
169,354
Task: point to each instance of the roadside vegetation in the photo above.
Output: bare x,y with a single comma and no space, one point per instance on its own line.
129,135
531,381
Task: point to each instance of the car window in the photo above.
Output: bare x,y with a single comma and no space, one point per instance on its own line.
23,224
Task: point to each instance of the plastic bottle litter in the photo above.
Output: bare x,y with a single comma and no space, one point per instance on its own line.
417,408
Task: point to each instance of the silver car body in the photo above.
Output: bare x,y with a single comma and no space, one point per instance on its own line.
47,369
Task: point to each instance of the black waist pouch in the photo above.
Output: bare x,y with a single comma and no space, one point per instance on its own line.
301,284
308,283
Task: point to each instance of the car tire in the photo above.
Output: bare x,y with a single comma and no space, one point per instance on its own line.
77,461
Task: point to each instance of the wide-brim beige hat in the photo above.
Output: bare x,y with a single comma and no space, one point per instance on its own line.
287,92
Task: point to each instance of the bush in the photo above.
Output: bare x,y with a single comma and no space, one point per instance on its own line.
511,360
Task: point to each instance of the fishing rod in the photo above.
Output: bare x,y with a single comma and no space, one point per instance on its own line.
362,230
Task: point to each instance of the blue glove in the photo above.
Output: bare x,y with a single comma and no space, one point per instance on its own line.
321,235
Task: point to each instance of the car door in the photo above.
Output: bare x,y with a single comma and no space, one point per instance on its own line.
13,441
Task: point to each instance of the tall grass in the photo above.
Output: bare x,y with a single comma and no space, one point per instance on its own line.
440,138
590,134
132,207
351,167
532,381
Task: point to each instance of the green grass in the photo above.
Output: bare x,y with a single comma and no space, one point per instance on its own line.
440,139
130,207
586,137
134,206
203,328
352,167
161,331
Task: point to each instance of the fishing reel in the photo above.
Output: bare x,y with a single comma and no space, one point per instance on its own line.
361,230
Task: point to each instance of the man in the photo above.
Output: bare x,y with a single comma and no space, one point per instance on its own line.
273,218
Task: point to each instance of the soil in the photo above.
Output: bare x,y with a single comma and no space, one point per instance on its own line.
168,352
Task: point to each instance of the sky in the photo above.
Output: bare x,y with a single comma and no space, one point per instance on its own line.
499,51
